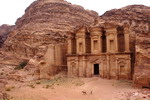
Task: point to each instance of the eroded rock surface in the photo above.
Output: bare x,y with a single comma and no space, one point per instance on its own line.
4,31
46,22
138,16
2,86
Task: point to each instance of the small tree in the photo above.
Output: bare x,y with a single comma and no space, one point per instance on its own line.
22,65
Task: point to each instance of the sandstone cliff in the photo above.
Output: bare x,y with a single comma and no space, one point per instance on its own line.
4,31
46,22
39,32
138,16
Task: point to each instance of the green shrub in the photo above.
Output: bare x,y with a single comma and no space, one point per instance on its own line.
22,65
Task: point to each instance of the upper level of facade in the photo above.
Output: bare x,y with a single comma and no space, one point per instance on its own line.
99,39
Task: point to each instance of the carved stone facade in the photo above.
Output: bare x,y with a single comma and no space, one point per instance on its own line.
54,61
101,50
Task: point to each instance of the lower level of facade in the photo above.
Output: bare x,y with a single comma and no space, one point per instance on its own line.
111,66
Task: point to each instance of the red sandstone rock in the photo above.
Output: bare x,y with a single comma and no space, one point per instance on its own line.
4,31
2,86
138,16
47,22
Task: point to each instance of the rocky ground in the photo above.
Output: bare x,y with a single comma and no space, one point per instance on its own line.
63,88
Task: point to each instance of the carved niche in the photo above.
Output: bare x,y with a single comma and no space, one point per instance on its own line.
74,68
122,66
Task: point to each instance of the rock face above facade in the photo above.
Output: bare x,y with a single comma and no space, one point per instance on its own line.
46,22
4,31
43,29
56,14
132,12
138,16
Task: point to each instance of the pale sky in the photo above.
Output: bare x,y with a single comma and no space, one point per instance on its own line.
10,10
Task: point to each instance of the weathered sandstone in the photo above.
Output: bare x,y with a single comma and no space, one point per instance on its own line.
39,36
2,86
138,16
46,22
42,31
4,31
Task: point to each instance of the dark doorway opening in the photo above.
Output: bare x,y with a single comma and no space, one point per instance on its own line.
96,69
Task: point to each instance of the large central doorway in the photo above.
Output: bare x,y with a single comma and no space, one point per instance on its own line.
96,69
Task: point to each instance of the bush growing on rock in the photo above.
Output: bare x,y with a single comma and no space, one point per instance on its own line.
22,65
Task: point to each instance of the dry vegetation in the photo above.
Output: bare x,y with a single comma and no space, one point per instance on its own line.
63,88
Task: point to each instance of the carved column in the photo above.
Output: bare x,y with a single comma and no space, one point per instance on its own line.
102,64
108,67
117,69
100,42
116,42
69,51
88,69
128,68
126,42
84,66
81,67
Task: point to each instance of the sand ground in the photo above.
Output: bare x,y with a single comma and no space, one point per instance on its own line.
77,89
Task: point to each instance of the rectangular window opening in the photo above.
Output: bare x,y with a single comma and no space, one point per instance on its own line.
95,45
96,69
111,44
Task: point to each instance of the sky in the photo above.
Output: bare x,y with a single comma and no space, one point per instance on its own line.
11,10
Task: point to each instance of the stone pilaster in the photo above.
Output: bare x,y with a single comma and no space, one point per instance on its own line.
107,44
102,66
117,69
128,62
108,67
126,42
116,42
69,46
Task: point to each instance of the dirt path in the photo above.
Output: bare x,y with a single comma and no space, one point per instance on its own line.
78,89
